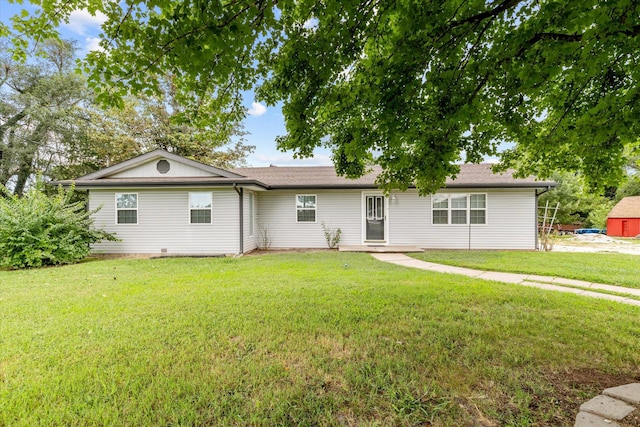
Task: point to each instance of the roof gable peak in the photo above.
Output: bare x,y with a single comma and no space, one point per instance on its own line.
141,163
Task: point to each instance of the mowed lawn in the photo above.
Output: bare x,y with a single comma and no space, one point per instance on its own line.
608,268
321,338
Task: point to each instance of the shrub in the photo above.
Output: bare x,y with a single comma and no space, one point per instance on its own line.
331,235
598,216
38,230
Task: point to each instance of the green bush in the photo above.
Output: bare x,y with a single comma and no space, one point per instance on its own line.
38,230
598,216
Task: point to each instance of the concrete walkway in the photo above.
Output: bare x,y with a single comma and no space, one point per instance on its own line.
559,284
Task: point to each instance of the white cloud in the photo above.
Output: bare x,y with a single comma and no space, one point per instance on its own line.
257,109
92,43
80,21
491,159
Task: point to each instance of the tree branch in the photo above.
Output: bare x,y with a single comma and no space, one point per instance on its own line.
559,37
505,5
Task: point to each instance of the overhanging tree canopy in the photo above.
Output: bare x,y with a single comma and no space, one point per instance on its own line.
413,85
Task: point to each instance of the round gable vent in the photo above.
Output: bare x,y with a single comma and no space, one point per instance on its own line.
163,166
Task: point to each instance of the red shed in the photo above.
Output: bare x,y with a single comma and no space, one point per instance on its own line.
624,218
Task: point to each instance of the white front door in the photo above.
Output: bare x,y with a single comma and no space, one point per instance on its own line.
375,217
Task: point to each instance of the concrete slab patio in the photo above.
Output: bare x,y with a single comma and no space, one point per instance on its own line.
379,248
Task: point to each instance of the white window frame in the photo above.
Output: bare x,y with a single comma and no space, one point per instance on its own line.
201,209
126,209
440,209
314,209
467,210
485,209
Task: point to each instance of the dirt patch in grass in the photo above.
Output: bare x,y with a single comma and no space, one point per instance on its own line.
552,400
585,384
598,381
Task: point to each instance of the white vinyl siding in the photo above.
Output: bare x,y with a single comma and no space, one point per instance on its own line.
163,223
150,170
251,214
509,213
337,208
250,224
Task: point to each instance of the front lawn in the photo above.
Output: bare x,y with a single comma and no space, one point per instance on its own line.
299,339
609,268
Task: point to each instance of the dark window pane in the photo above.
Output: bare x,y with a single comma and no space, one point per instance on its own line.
440,217
306,215
127,217
458,217
478,217
200,216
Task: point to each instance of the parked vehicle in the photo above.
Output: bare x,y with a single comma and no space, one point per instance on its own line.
591,231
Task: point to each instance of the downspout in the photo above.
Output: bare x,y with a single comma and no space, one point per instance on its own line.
239,190
536,208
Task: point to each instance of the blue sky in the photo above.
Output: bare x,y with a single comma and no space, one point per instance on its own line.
263,123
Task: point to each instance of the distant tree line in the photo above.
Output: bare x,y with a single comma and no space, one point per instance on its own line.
51,125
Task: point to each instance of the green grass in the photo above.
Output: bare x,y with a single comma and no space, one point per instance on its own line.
608,268
299,339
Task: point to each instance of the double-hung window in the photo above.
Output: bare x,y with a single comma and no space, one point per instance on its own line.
440,208
478,208
200,208
126,208
459,209
306,208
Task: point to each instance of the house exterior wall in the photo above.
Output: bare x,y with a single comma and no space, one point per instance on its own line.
163,223
615,227
149,170
250,240
337,208
510,222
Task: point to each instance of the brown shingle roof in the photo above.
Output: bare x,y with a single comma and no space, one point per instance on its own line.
629,207
197,181
471,175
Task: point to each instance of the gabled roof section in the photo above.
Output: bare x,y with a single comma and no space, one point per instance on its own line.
157,155
629,207
142,171
470,176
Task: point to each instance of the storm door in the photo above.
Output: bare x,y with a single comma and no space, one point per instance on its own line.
374,219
